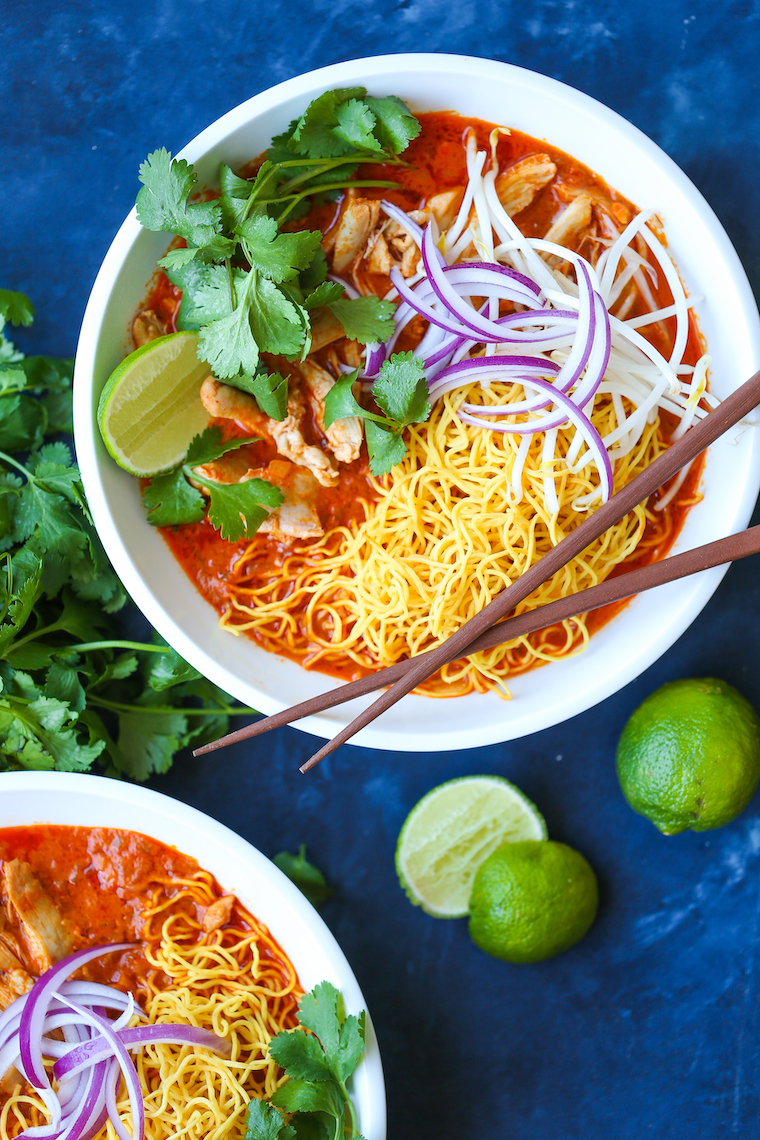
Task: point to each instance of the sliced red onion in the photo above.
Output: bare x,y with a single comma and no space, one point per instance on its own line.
86,1054
128,1070
36,1005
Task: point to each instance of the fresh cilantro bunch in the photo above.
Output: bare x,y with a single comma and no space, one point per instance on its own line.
235,509
248,287
72,692
401,393
318,1065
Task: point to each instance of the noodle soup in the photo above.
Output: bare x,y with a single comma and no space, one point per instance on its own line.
541,108
387,567
199,959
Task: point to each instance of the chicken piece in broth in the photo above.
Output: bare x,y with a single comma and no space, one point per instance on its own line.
357,221
147,326
344,436
42,936
519,184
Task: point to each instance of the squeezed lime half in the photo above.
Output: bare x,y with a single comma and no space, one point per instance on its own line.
451,831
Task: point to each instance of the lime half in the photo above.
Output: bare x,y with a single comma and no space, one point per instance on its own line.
151,408
451,831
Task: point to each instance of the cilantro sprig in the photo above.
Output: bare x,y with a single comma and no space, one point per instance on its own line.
318,1065
236,510
401,393
74,694
248,287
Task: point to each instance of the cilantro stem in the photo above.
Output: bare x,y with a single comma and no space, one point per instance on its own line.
331,165
376,182
352,1114
139,646
212,710
18,466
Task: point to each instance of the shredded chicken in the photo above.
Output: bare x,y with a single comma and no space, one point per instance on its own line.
296,517
147,326
358,219
568,227
44,939
218,913
225,402
518,185
344,436
291,444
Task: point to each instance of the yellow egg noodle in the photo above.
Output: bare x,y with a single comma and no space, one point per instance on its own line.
459,519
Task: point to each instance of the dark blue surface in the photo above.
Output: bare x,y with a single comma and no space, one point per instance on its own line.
650,1025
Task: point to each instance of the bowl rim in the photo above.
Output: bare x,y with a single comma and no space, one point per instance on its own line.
407,735
76,795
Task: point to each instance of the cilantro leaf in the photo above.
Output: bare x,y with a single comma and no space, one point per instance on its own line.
401,389
340,402
163,203
355,123
171,501
271,392
395,125
265,1122
386,448
23,421
365,319
274,319
301,1055
237,510
168,669
177,258
16,308
209,445
322,1011
149,738
309,880
324,294
307,1096
315,272
314,133
227,344
235,193
278,256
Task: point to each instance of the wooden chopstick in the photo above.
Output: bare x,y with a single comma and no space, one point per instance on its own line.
729,549
663,468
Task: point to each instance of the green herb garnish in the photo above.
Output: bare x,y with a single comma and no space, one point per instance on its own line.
318,1065
74,693
248,287
401,392
236,510
308,878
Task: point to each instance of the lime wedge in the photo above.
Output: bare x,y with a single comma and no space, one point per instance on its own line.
451,831
151,408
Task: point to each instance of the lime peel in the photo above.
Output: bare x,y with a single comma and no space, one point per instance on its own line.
451,831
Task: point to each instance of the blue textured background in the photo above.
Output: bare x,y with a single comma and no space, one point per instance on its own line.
650,1025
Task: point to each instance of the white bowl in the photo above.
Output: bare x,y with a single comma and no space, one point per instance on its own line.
628,161
92,801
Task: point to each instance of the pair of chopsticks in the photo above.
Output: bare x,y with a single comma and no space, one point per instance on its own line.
488,628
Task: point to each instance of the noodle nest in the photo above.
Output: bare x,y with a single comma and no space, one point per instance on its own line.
462,517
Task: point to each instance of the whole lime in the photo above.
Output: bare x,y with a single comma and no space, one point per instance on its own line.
689,757
532,900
